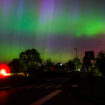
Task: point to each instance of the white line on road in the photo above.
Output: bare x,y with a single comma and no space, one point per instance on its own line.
41,86
5,87
46,98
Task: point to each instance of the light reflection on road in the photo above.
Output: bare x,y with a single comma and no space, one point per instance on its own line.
3,94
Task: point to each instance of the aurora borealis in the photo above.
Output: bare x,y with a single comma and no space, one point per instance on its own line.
53,27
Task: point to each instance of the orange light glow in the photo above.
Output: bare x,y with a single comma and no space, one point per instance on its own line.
4,70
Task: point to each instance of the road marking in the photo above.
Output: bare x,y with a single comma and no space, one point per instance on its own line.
46,98
5,87
41,86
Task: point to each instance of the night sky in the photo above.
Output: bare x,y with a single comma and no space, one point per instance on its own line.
53,27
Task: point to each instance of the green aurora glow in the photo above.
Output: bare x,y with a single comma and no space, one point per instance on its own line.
83,26
61,19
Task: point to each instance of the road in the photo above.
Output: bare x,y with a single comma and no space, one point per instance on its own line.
48,92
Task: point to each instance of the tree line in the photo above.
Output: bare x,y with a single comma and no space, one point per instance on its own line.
30,62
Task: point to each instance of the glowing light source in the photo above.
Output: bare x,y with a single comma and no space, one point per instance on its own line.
4,70
61,64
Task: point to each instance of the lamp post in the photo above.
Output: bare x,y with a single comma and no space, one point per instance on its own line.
76,52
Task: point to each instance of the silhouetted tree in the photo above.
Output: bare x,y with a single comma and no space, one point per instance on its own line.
15,66
30,60
77,63
100,62
87,63
49,65
71,65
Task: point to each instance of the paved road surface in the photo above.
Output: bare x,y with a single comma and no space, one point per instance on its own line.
49,92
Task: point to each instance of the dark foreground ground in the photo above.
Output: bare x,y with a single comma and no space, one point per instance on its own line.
20,90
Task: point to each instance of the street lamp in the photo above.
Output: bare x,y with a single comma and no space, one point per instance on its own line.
76,52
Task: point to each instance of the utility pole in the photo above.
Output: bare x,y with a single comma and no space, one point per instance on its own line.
76,52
